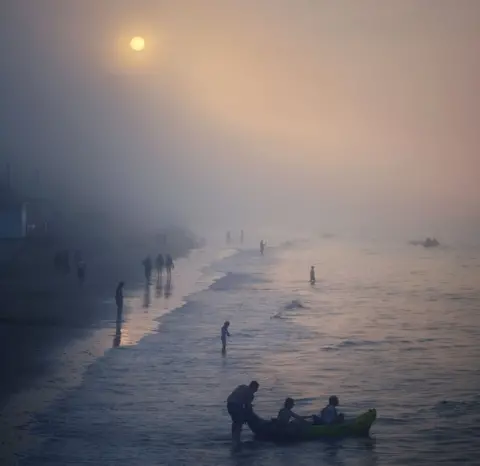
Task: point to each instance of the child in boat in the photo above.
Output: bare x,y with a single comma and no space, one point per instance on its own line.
329,414
285,415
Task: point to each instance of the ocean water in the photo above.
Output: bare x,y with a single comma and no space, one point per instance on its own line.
387,326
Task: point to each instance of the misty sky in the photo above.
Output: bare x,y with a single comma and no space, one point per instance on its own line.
244,112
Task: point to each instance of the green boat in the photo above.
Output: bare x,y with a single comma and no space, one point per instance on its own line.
272,431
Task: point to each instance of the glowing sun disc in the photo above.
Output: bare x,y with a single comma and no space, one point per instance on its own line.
137,44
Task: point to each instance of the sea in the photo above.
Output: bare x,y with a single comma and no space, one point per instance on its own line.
387,325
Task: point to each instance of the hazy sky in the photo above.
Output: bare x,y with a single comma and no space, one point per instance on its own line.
243,111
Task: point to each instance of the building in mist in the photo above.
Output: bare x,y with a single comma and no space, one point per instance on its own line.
22,218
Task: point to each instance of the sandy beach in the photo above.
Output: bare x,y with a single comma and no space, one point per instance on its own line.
42,311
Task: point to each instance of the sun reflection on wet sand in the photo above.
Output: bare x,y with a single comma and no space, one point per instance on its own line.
71,362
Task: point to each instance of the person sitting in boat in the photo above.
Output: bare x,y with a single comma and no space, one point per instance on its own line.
286,415
329,414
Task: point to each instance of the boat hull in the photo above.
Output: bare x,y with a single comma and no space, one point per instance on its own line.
272,431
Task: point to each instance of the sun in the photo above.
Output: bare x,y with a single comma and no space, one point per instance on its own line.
137,44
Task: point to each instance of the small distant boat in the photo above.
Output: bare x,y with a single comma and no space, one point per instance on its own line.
427,243
430,243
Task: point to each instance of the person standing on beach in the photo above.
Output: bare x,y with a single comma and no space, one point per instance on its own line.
119,299
312,275
159,264
169,265
224,335
147,265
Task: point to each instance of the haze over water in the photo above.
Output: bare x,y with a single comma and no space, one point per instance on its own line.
273,112
386,326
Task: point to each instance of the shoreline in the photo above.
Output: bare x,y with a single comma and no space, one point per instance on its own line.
67,362
42,312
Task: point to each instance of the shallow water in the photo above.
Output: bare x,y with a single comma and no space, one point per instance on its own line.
387,326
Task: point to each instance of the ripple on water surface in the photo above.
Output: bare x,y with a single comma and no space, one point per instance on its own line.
367,333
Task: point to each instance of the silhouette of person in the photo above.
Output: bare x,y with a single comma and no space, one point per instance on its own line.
312,275
147,265
169,265
224,333
119,299
159,264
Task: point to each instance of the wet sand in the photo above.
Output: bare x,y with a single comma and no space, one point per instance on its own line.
42,312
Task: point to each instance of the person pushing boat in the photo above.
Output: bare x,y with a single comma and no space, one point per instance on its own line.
239,406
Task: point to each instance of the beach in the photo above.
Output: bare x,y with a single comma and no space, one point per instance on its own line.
50,324
386,326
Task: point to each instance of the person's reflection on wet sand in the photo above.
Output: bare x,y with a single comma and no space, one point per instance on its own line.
117,339
168,288
159,287
146,296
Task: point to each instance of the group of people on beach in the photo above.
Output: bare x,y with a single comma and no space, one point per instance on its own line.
61,263
160,264
239,407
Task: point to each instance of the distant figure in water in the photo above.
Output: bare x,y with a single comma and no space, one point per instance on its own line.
159,264
147,265
312,275
81,270
241,236
228,238
262,247
169,265
224,335
119,299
